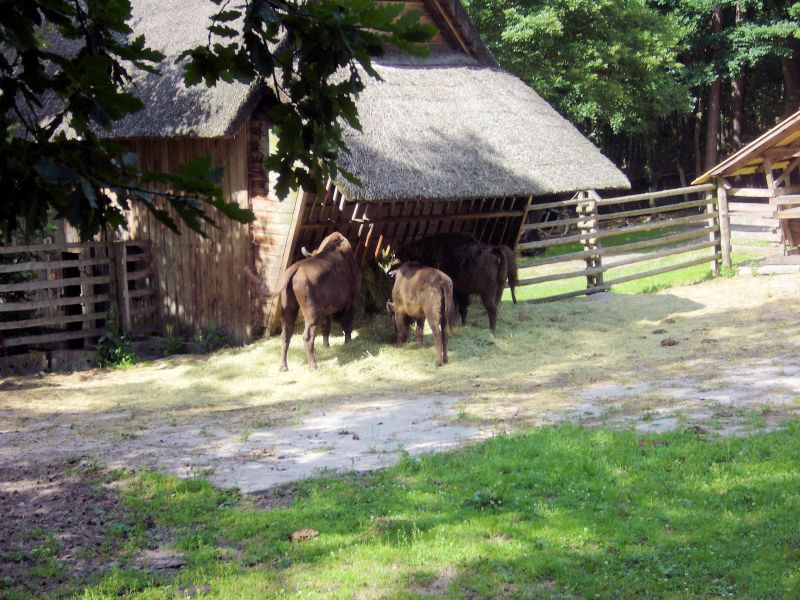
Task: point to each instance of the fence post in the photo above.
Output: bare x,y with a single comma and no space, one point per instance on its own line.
724,222
587,211
713,236
523,223
123,295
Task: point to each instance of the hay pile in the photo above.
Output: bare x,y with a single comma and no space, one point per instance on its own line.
376,289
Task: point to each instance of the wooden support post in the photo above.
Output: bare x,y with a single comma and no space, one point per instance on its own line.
590,225
773,185
121,280
523,222
713,236
724,223
769,174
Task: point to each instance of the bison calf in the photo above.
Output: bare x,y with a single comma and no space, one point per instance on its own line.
422,293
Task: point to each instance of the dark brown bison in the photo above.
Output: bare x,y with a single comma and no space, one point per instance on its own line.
421,293
323,286
474,267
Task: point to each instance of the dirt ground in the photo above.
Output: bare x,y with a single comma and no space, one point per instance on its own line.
54,523
719,357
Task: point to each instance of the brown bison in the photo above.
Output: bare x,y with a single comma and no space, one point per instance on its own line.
323,286
422,293
474,267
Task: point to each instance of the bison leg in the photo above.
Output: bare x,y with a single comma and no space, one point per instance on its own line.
347,324
420,331
444,336
326,332
402,329
437,342
462,302
435,320
288,318
488,300
309,335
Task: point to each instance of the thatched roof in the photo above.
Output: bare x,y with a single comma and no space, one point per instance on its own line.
780,145
171,109
447,127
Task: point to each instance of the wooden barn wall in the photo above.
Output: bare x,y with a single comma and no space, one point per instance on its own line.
272,228
200,281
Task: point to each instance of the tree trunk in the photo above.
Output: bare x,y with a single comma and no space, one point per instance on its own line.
713,112
698,130
791,79
737,98
737,112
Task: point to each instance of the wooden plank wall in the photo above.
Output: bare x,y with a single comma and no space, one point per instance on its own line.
136,286
64,302
200,280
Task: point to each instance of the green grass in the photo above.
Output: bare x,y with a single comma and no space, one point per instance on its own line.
560,512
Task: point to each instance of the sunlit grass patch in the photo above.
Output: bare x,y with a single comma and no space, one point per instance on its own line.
568,512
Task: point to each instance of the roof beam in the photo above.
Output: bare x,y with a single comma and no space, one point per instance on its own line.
782,152
441,15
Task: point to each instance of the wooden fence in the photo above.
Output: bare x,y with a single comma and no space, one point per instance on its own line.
63,293
696,214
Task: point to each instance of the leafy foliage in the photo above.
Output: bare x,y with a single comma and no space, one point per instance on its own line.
63,77
65,72
636,75
114,348
604,64
173,344
210,339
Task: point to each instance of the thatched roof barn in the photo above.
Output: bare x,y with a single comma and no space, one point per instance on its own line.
449,143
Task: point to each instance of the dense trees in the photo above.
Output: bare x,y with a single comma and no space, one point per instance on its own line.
665,87
64,74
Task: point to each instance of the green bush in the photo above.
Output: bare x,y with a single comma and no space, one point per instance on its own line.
173,344
211,339
114,347
114,350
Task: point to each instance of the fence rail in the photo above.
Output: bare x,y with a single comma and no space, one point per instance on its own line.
597,219
54,295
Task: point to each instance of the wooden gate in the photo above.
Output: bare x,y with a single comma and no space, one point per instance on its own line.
691,224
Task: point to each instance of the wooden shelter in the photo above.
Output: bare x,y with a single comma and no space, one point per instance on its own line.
449,143
770,213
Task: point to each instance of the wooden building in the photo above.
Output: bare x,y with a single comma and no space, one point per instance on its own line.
760,186
449,143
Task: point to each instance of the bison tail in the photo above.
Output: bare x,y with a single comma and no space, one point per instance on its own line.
448,309
511,259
